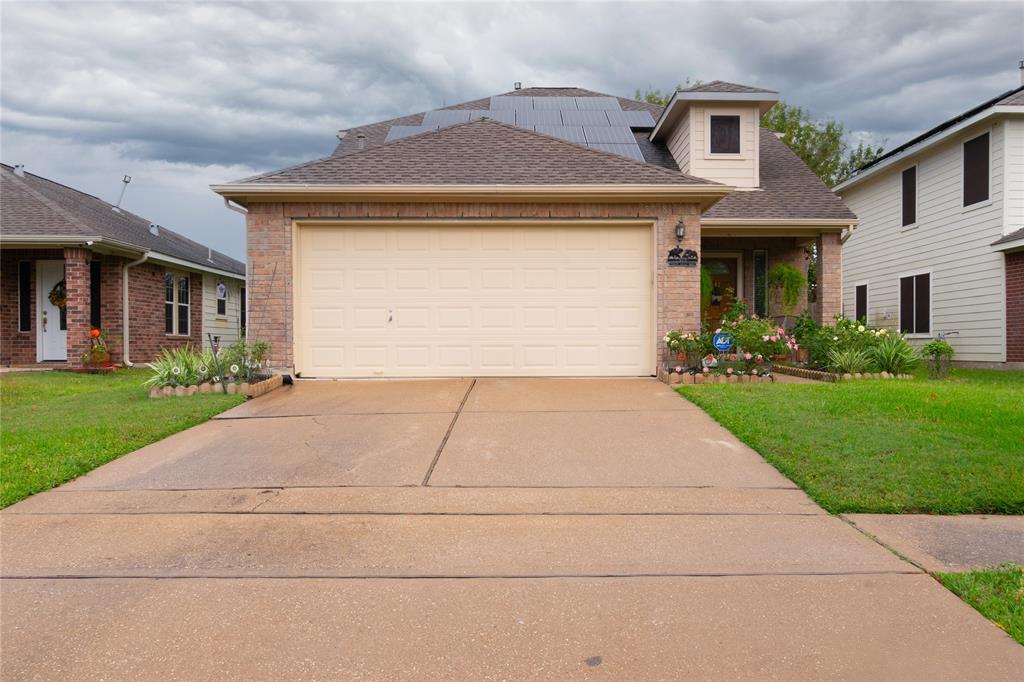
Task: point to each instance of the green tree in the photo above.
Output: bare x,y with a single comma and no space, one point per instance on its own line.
653,96
822,144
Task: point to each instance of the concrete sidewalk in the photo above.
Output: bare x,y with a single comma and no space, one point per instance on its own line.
496,529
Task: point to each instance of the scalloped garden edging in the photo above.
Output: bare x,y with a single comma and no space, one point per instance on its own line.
680,378
248,390
818,375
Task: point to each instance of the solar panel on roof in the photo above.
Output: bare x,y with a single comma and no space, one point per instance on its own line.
584,118
633,119
533,117
630,151
609,134
445,117
554,103
568,133
398,132
602,103
503,115
511,102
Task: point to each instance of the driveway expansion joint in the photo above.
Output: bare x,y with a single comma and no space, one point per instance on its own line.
448,433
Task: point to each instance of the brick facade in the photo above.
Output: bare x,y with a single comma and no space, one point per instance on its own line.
146,292
830,277
270,284
1015,307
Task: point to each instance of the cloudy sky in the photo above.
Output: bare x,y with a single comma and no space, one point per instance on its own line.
181,95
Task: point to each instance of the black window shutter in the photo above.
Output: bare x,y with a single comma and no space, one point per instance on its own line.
922,304
976,170
907,305
725,134
24,296
910,196
861,306
94,294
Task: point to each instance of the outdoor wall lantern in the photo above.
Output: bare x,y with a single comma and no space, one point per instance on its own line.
680,231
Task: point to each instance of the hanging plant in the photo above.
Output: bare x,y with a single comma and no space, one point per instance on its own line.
790,283
59,294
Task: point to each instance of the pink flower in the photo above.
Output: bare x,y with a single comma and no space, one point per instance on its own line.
796,346
728,371
705,370
781,330
747,356
764,338
679,369
718,331
775,338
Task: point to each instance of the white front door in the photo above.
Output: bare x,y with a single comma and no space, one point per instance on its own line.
52,322
488,300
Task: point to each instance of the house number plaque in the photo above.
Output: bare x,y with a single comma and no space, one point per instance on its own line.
681,258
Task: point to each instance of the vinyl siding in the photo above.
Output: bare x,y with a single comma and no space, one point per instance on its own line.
227,327
950,241
689,142
1014,169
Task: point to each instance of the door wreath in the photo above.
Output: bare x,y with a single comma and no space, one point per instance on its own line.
59,294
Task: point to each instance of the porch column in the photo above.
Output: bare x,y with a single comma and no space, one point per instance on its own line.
76,281
678,288
830,277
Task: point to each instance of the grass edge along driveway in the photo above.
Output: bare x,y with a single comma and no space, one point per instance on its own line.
952,446
996,593
56,426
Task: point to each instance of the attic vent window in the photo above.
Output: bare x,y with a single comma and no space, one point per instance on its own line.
725,134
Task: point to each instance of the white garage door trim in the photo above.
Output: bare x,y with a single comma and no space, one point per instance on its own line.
391,249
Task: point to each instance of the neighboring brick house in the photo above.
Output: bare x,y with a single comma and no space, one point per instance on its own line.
543,232
939,249
65,260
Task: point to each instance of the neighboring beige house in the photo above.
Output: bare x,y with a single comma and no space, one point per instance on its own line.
223,308
939,251
541,232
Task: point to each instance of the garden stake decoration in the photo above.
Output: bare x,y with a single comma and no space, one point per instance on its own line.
216,363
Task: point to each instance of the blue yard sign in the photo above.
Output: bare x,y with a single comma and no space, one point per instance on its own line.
722,341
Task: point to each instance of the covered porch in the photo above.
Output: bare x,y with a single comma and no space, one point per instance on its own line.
739,258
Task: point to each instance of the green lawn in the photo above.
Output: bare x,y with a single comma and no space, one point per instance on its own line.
55,426
954,446
997,593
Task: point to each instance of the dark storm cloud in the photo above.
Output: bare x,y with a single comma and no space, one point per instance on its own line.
185,94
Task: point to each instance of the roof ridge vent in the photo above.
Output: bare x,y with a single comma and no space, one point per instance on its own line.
154,229
19,170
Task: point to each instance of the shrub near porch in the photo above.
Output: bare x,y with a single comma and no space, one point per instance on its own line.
950,446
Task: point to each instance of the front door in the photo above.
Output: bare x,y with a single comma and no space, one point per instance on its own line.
52,319
724,272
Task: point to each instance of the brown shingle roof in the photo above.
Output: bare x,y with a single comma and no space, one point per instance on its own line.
481,152
789,190
1015,98
723,86
33,206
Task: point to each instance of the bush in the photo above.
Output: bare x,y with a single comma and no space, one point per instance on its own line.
939,354
804,327
759,336
849,360
843,335
244,361
894,355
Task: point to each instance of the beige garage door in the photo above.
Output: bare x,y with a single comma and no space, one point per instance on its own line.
485,301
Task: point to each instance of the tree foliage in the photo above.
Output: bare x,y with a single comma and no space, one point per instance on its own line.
822,144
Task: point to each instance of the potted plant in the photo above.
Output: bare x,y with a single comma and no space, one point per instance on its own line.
97,357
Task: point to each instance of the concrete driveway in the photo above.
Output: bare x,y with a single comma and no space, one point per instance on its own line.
524,529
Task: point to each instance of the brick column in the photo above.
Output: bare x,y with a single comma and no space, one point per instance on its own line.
76,279
1015,307
270,282
678,287
830,277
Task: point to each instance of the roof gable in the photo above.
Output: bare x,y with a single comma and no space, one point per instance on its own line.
725,86
480,152
35,206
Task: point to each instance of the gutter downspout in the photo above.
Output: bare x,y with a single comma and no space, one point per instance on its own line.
124,307
233,207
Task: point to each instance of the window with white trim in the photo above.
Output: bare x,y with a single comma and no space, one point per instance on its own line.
916,304
177,303
725,134
222,299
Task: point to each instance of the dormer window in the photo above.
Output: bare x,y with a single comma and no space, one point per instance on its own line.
725,134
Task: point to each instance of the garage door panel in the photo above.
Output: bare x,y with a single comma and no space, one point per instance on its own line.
425,301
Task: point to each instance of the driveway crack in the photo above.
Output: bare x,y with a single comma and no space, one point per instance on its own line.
451,427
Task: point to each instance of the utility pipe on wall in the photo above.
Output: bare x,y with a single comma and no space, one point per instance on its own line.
124,306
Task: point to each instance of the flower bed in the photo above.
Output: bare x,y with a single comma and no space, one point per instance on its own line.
818,375
235,370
